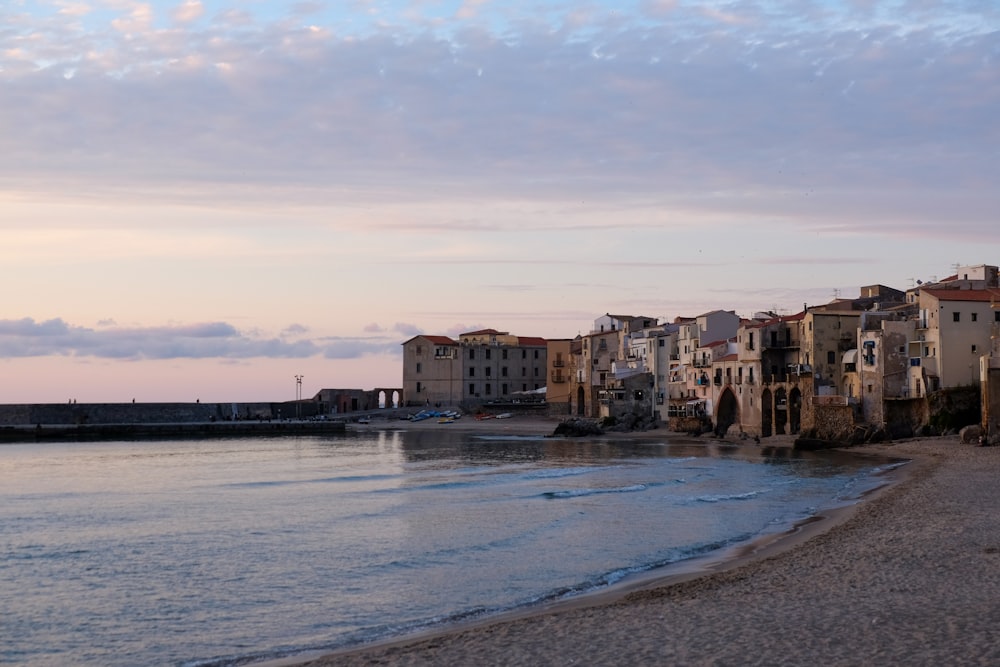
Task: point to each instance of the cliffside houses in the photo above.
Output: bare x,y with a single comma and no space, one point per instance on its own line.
870,360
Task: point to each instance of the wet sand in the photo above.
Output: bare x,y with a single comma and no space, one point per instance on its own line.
909,577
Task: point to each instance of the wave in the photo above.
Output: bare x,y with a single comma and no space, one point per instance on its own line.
749,495
317,480
579,493
557,473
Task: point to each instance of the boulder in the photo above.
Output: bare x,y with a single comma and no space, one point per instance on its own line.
575,428
971,434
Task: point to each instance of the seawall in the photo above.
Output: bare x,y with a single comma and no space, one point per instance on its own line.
107,421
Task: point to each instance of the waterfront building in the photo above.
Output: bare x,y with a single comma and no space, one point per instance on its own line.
485,366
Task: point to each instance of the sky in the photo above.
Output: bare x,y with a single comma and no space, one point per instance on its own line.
201,199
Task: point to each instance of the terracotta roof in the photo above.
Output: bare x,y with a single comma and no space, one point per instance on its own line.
776,320
964,294
730,357
529,341
481,332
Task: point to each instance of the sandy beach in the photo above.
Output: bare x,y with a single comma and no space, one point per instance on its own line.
909,577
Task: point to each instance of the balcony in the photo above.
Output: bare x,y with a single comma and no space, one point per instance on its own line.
559,378
558,363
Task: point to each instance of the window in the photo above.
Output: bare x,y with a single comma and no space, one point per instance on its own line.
975,317
489,389
503,371
488,353
956,317
661,342
536,371
419,388
418,367
472,372
487,370
973,348
472,389
524,353
472,355
996,316
503,354
536,354
503,388
831,357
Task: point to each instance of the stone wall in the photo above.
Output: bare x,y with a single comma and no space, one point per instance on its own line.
903,418
991,402
134,413
833,422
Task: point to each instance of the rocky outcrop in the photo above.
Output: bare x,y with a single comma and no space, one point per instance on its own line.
575,428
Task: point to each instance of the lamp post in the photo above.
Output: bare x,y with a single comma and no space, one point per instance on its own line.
298,397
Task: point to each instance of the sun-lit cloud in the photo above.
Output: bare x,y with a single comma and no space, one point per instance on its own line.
189,10
29,338
414,165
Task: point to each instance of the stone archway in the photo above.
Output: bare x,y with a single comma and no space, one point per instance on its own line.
766,413
780,410
727,413
386,397
794,411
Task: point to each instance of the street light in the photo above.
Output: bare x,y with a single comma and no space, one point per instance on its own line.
298,397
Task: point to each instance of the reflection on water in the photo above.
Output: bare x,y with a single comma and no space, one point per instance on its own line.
194,552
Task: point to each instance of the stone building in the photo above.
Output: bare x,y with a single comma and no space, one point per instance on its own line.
558,394
954,329
603,363
480,367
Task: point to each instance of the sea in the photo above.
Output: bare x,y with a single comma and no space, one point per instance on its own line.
208,553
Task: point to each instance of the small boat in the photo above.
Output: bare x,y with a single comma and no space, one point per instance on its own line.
446,420
504,415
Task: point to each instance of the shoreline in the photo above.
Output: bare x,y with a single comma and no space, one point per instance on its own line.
891,578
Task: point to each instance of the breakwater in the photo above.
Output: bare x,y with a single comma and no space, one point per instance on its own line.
106,421
84,432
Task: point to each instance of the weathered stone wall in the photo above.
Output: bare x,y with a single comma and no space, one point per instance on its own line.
903,418
951,409
833,422
132,413
991,405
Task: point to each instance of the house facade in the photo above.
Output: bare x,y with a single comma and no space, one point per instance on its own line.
479,367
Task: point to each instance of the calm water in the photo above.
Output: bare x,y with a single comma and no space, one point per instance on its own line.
214,552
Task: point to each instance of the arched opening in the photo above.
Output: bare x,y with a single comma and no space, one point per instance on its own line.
794,410
780,410
580,394
728,412
766,413
382,400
